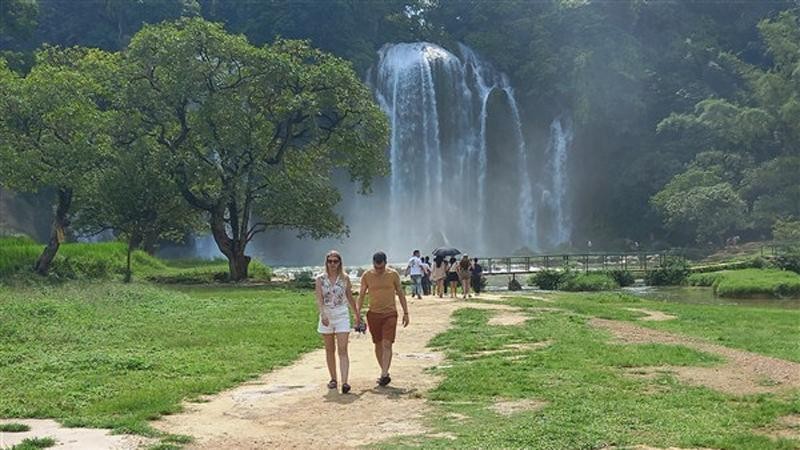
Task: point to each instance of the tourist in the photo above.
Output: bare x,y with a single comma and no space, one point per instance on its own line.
477,272
334,294
452,276
464,275
416,270
438,274
426,276
382,283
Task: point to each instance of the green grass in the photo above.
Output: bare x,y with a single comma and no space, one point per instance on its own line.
14,427
589,282
750,283
589,402
115,356
34,443
107,260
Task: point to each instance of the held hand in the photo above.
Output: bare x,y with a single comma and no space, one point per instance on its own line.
405,320
325,320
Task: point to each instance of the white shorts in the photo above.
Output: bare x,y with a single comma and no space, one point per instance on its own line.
335,325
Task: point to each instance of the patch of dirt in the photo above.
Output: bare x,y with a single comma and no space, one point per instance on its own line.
786,427
743,373
651,315
519,347
72,438
509,407
291,407
508,318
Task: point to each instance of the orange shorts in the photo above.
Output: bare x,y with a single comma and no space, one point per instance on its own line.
382,326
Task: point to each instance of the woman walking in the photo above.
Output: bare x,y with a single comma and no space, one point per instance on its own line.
464,275
452,276
334,294
438,274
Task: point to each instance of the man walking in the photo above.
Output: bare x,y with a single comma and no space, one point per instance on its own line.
382,283
415,269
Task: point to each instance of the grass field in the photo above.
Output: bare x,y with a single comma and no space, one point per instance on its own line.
111,355
586,400
750,283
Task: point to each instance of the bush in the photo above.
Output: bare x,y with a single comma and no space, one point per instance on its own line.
672,273
588,282
789,261
304,280
622,277
548,280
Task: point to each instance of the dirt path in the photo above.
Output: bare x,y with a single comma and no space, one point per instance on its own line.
292,407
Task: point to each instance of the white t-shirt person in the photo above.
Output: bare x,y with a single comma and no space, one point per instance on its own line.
415,266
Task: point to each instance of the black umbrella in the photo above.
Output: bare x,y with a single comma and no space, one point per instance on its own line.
446,251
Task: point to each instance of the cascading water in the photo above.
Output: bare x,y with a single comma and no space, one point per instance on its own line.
439,107
555,196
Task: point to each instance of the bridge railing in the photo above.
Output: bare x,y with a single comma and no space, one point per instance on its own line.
586,262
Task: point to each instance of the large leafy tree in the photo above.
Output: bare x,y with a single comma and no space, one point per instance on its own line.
760,124
254,135
54,124
135,198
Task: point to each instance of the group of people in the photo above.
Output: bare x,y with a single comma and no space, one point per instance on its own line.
443,273
335,302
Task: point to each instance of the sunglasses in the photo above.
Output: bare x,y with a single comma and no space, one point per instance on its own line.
332,261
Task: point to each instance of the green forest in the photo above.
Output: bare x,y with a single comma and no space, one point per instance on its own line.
686,113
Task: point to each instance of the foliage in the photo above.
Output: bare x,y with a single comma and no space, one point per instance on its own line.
591,281
254,132
786,230
622,277
672,273
304,280
789,261
34,443
548,280
146,348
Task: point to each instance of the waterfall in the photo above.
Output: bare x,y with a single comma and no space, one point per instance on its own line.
439,106
556,196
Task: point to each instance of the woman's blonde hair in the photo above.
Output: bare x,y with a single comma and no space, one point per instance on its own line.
341,263
464,263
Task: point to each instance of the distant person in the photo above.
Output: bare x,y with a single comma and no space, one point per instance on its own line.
382,284
452,276
438,275
464,275
426,276
476,273
415,269
334,294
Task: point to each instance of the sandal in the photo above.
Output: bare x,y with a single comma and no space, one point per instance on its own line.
383,381
345,388
332,384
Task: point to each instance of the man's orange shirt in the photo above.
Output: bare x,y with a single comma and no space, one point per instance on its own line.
381,289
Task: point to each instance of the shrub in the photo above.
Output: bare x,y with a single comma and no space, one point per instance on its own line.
588,282
672,273
622,277
304,280
514,285
548,280
705,279
789,261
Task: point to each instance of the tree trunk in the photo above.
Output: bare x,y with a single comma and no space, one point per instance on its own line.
238,262
238,266
60,223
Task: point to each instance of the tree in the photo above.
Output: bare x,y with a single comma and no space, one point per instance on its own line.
54,129
253,135
135,198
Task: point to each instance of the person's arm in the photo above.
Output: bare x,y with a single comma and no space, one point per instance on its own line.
318,294
398,288
362,292
352,302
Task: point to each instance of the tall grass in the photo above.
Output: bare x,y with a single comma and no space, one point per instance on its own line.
750,283
107,259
